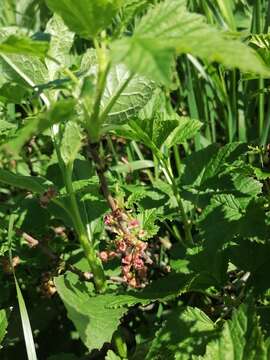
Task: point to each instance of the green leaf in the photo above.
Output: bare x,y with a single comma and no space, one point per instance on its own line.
255,260
24,46
13,93
133,166
3,324
112,356
241,338
90,315
162,290
132,8
86,17
186,129
168,28
27,331
158,131
124,94
185,334
132,99
71,142
31,183
60,44
60,111
202,167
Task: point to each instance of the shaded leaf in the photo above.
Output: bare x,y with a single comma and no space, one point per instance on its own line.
241,338
185,334
162,290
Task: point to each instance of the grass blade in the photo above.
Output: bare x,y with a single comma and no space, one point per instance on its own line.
27,331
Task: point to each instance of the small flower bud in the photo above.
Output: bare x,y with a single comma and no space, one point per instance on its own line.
103,256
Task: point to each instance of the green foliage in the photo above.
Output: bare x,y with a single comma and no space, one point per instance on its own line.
85,17
60,44
61,110
89,313
24,46
3,324
169,28
135,164
71,142
35,185
185,333
241,338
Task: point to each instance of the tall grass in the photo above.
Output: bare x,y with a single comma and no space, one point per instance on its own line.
232,106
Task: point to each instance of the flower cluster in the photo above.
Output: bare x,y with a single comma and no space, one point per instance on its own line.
128,246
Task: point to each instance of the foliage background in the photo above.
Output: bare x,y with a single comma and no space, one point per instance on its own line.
185,149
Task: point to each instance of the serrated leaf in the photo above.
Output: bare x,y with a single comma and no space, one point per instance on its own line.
60,45
132,99
162,290
94,322
186,129
168,28
202,167
229,152
24,46
86,17
185,334
255,260
148,220
71,142
120,100
132,8
241,338
160,130
26,70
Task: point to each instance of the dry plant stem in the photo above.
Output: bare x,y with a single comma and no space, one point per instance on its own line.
101,169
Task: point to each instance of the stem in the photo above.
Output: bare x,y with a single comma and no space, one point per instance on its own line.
186,221
101,169
94,262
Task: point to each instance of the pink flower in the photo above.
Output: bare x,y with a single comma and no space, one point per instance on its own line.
141,246
103,256
108,219
133,223
138,263
112,254
127,259
121,246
